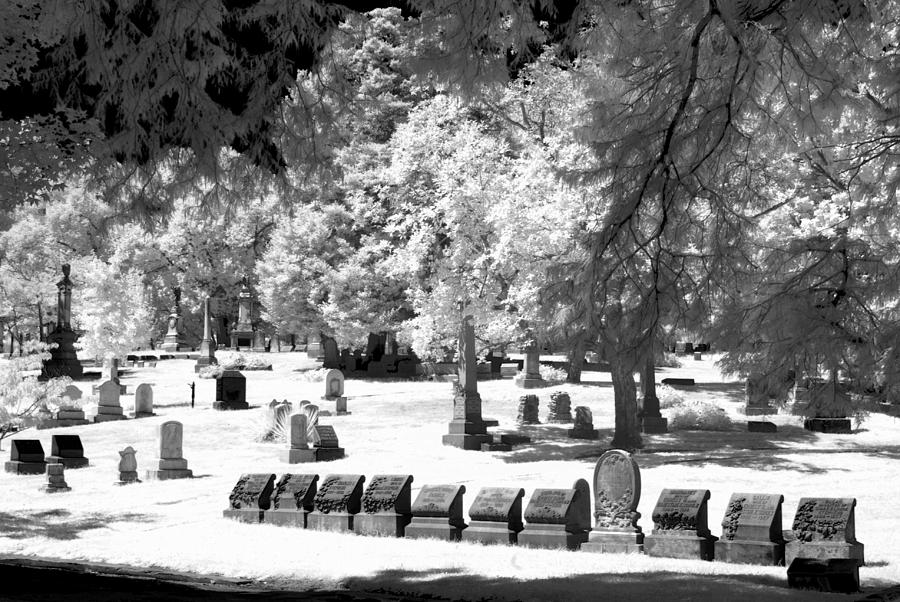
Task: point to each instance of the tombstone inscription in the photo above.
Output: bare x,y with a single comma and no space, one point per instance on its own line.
437,513
336,503
751,530
558,518
385,506
496,516
250,498
292,500
825,528
680,527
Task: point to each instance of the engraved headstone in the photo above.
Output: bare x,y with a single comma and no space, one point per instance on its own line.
334,384
496,515
299,444
231,391
292,500
250,498
437,513
825,528
751,530
617,492
337,502
26,456
386,506
558,518
143,401
680,528
584,424
108,407
171,464
67,450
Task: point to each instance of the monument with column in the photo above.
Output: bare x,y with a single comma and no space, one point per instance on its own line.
174,340
467,429
207,349
63,359
242,332
652,420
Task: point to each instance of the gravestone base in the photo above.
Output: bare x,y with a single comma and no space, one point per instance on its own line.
591,434
824,551
327,454
109,417
19,467
53,489
690,547
128,477
489,422
654,425
286,518
68,462
335,521
839,575
761,426
53,423
469,442
835,426
608,542
244,515
551,536
512,439
297,456
531,383
168,474
422,527
230,405
759,410
750,552
382,525
486,531
492,446
143,414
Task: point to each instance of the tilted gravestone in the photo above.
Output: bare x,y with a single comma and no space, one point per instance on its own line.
751,530
680,528
584,424
617,492
558,518
67,450
496,516
337,502
231,391
250,498
143,401
127,467
26,456
825,528
292,500
171,464
385,506
437,513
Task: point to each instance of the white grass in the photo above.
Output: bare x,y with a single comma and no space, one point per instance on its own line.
396,427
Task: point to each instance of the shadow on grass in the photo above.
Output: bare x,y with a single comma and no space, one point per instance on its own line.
58,524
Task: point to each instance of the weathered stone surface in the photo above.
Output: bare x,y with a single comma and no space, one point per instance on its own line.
143,401
584,424
558,518
338,499
326,436
128,466
171,464
437,513
496,515
560,407
528,410
751,530
250,497
825,528
617,492
56,481
292,500
231,391
680,528
334,384
386,506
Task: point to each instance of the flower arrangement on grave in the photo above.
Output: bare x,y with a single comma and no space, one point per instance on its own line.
375,502
674,520
807,528
325,505
615,514
732,516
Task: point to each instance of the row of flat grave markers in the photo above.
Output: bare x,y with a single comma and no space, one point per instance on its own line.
556,518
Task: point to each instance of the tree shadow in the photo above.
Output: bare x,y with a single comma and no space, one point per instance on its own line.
58,524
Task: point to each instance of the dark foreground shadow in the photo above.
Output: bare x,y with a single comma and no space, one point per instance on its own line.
57,524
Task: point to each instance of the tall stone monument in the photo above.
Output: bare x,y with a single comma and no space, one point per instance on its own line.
242,332
207,349
467,429
63,359
532,378
652,420
174,340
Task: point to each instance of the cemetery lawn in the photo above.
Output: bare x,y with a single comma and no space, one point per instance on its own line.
396,427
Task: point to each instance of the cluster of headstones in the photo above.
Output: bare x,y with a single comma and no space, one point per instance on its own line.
822,542
27,458
556,518
308,440
560,412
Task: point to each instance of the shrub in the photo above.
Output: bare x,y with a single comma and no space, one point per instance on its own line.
553,376
698,416
312,376
668,397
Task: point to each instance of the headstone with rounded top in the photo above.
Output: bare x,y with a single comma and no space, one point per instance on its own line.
143,401
617,492
437,513
108,406
496,515
171,464
680,527
292,500
751,530
385,506
558,518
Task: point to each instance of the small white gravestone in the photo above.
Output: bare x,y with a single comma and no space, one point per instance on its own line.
143,401
299,432
299,450
334,384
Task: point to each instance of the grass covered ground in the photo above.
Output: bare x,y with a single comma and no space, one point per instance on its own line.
396,427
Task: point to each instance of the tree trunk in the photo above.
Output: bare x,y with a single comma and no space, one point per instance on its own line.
576,360
628,427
